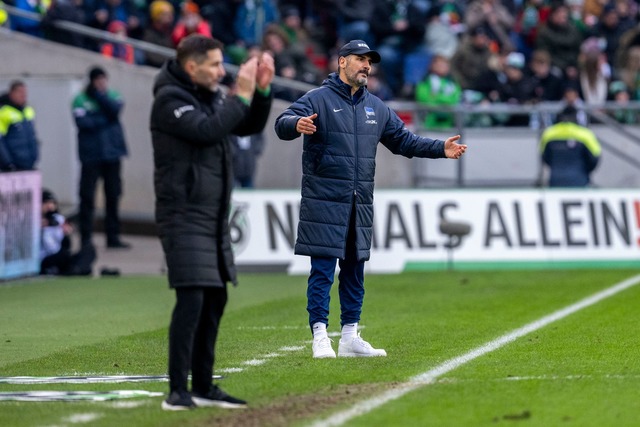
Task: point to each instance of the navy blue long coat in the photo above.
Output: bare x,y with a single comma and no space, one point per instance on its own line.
339,162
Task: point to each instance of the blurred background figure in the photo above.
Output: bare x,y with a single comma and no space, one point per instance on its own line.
471,58
252,18
19,146
398,28
159,30
440,37
118,50
562,39
439,89
27,25
571,151
64,10
595,72
190,22
101,147
620,94
246,151
55,243
353,20
497,21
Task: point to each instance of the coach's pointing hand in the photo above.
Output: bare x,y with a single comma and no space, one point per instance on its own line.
305,125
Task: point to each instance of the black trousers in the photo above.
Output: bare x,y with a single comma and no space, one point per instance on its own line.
89,176
192,337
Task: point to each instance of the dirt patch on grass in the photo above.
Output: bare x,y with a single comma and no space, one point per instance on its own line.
290,409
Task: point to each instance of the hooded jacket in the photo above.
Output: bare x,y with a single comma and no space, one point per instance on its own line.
18,142
191,130
100,133
339,161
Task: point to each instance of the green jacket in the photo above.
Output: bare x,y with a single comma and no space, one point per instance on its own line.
438,91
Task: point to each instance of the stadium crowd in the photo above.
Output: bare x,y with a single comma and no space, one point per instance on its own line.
485,51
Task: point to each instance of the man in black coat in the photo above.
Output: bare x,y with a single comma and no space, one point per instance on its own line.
192,123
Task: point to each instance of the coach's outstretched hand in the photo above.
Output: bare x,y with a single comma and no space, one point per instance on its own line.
305,124
453,150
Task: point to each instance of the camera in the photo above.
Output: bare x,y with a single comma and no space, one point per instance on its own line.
51,218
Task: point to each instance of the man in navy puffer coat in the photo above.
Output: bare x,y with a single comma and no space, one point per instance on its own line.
343,123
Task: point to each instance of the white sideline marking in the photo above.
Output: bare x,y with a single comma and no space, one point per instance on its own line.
431,375
230,370
83,418
292,348
578,377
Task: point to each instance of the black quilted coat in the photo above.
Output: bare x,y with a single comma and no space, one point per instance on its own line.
193,178
339,162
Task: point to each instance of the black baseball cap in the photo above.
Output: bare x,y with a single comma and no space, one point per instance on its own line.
359,47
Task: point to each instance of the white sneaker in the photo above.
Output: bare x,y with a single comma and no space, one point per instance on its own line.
322,348
357,347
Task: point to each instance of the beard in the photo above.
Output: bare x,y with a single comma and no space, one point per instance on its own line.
359,78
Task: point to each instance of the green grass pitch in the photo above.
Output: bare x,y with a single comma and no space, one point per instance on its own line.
581,370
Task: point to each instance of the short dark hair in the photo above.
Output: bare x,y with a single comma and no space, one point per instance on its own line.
16,84
196,46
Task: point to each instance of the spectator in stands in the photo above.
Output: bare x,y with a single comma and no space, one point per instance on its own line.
627,12
495,18
107,11
290,60
220,15
628,61
439,89
571,151
505,82
378,86
252,19
452,14
56,257
19,147
595,72
291,23
190,22
399,29
159,32
119,50
562,39
28,25
620,94
101,147
353,20
609,29
527,22
578,18
546,79
471,59
592,10
191,125
440,37
64,10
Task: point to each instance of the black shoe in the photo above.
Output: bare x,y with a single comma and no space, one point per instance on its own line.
118,244
106,271
217,397
178,402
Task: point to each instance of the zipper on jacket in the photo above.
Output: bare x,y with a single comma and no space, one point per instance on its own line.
355,150
354,203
